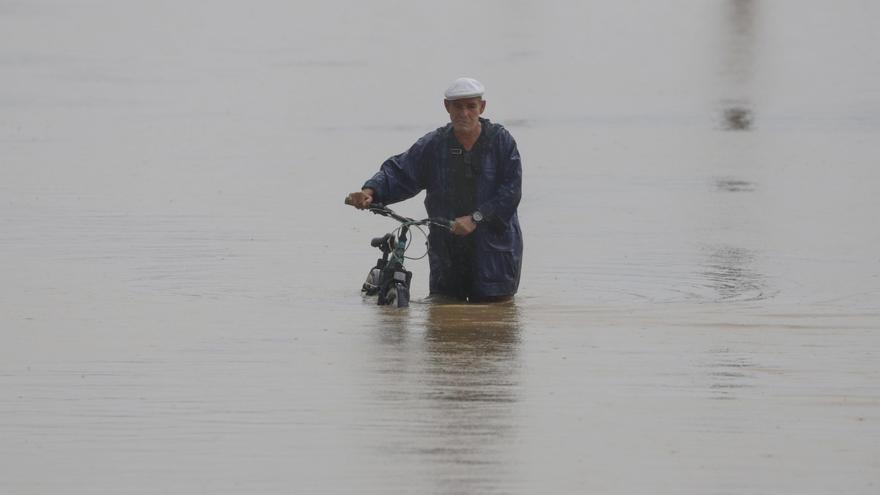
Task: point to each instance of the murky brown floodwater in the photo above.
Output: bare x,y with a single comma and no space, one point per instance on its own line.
179,306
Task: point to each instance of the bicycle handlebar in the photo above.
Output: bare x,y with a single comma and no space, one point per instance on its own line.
380,209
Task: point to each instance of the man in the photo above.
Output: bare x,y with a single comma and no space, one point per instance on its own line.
471,172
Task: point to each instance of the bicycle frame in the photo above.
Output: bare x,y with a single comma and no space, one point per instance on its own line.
389,279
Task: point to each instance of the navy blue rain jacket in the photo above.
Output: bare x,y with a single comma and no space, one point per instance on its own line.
498,239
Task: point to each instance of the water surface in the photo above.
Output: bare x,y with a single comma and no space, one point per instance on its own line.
179,306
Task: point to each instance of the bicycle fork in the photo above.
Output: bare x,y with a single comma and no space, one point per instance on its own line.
389,279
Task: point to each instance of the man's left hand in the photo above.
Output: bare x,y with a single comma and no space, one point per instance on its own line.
463,225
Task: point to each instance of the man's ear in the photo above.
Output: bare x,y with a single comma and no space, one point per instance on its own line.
482,106
446,105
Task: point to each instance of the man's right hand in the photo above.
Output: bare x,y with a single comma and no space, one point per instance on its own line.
361,199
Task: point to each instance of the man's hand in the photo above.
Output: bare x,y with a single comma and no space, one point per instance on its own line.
361,199
463,225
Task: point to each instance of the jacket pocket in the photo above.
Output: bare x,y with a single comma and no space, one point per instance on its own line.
497,272
498,239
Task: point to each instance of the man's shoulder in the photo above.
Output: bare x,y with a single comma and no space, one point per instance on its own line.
496,132
441,132
436,135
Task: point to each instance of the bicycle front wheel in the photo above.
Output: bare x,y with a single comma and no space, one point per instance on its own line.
402,300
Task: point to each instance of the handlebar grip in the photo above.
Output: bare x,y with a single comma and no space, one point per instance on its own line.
443,222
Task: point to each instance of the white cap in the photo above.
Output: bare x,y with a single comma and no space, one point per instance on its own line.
464,87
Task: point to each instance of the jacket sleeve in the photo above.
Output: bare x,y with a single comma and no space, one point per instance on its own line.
401,176
506,199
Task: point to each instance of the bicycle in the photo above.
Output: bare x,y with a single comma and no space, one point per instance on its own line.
389,279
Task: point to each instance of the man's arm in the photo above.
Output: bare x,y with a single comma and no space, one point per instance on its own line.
401,176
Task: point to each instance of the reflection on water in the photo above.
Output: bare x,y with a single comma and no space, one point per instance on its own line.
729,272
446,384
741,18
730,184
728,372
471,351
470,387
737,118
738,59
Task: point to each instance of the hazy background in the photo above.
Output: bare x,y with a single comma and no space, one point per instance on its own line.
179,305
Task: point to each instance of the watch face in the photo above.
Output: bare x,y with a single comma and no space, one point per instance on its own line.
477,216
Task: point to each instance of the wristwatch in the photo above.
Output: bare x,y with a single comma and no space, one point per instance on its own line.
477,217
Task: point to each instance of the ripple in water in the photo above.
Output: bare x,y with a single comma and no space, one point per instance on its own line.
730,184
729,272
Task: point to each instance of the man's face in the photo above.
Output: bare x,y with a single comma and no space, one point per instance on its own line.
465,113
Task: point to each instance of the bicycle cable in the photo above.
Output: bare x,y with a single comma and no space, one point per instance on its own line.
419,227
